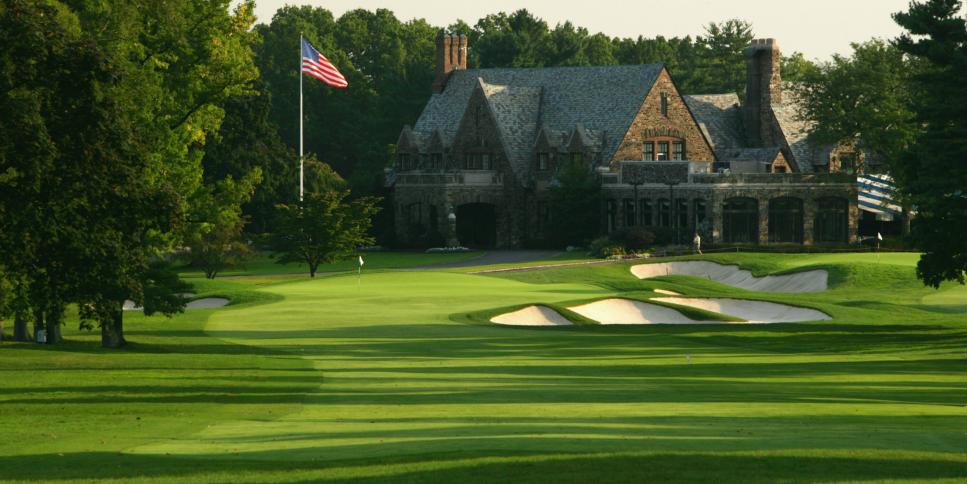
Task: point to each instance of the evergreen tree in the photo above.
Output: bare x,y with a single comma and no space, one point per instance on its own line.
932,173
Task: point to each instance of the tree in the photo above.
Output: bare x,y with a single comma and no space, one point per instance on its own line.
6,297
518,39
862,98
324,228
932,172
248,140
724,62
216,240
575,204
389,65
14,304
797,68
87,211
50,80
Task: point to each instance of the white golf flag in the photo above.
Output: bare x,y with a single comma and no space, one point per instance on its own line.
360,261
879,236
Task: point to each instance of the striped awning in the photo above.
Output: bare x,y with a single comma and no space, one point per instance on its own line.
876,196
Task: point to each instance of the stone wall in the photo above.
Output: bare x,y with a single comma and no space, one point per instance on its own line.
715,190
650,122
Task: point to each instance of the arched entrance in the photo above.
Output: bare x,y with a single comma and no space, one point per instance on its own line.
477,225
740,221
785,220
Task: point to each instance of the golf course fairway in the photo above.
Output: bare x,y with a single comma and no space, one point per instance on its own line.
398,376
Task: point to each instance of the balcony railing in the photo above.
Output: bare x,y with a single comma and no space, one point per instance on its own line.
471,178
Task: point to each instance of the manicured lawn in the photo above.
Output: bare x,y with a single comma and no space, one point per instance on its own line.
265,264
388,379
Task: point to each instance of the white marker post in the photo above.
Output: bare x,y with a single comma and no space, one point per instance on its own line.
359,274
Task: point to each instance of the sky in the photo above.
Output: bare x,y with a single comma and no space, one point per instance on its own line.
817,28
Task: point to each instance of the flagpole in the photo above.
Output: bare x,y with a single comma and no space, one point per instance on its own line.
301,162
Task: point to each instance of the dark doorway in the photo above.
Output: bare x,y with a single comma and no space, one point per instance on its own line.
785,220
740,221
477,225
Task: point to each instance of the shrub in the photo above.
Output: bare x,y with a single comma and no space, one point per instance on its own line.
665,235
635,239
605,247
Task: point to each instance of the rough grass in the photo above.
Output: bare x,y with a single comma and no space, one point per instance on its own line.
381,380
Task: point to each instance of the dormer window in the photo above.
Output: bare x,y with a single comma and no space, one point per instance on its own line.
649,151
543,161
662,151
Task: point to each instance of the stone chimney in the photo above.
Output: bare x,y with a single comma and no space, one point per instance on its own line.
451,54
763,90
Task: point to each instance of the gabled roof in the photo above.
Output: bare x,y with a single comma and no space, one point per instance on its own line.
719,116
586,138
410,139
515,108
604,99
435,143
796,131
555,138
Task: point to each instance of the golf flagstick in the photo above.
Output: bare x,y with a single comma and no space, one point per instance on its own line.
359,274
879,237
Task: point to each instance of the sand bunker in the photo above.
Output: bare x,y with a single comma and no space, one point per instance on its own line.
207,303
626,311
757,312
808,281
532,316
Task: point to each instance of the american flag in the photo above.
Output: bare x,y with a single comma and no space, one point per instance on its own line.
316,65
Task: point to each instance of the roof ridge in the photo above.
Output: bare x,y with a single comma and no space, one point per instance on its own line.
605,66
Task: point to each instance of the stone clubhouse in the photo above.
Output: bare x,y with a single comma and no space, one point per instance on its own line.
486,148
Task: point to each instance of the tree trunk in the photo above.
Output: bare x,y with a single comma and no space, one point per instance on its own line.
905,221
38,321
112,331
20,327
53,327
312,270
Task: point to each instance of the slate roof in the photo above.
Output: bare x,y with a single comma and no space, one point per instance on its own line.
720,118
555,138
604,99
516,109
796,131
748,154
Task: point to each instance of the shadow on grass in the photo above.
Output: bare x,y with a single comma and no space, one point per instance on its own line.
490,466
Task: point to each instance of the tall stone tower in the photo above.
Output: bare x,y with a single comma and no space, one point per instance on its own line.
451,54
763,90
